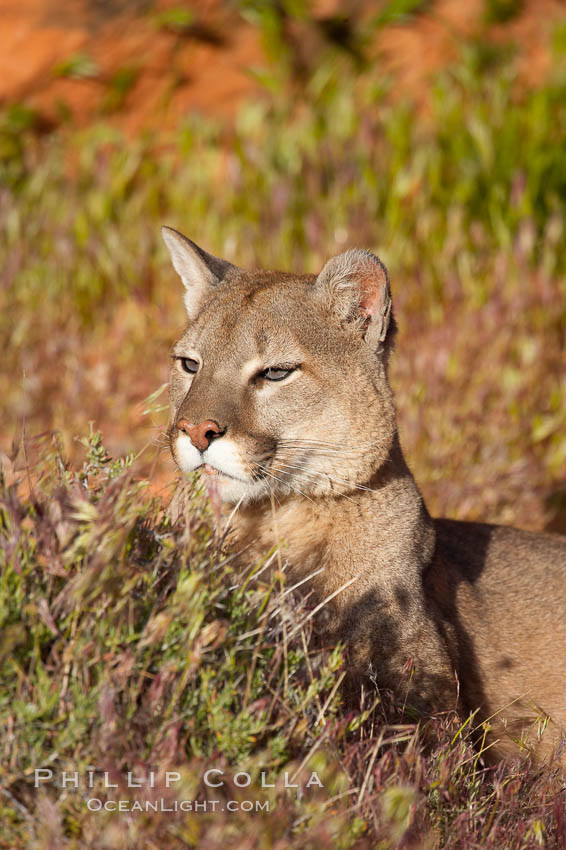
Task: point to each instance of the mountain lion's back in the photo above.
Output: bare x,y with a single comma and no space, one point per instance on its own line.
503,591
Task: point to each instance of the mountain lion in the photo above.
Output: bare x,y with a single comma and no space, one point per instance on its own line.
279,393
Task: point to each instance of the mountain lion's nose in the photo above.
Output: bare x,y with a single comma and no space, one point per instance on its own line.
203,434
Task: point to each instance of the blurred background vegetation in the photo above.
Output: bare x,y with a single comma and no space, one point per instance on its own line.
273,133
277,134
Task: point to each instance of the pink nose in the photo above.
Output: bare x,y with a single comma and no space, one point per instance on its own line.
200,435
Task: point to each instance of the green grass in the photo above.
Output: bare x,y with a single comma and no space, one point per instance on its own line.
123,644
465,207
129,644
121,630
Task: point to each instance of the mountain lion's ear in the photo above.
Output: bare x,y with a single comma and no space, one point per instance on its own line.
356,286
198,270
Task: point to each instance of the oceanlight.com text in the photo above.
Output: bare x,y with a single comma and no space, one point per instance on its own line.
94,804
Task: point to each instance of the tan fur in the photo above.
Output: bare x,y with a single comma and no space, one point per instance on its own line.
313,461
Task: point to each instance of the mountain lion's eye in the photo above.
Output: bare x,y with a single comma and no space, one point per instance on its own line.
276,374
189,365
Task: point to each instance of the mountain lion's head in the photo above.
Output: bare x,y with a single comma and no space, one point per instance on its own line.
278,384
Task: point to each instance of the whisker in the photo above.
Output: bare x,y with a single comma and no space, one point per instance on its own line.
353,453
321,449
306,442
313,480
283,482
330,477
318,442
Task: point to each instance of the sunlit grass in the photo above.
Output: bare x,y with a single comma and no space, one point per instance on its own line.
128,643
121,639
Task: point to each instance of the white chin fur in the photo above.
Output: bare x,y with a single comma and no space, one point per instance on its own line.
223,455
232,491
187,456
